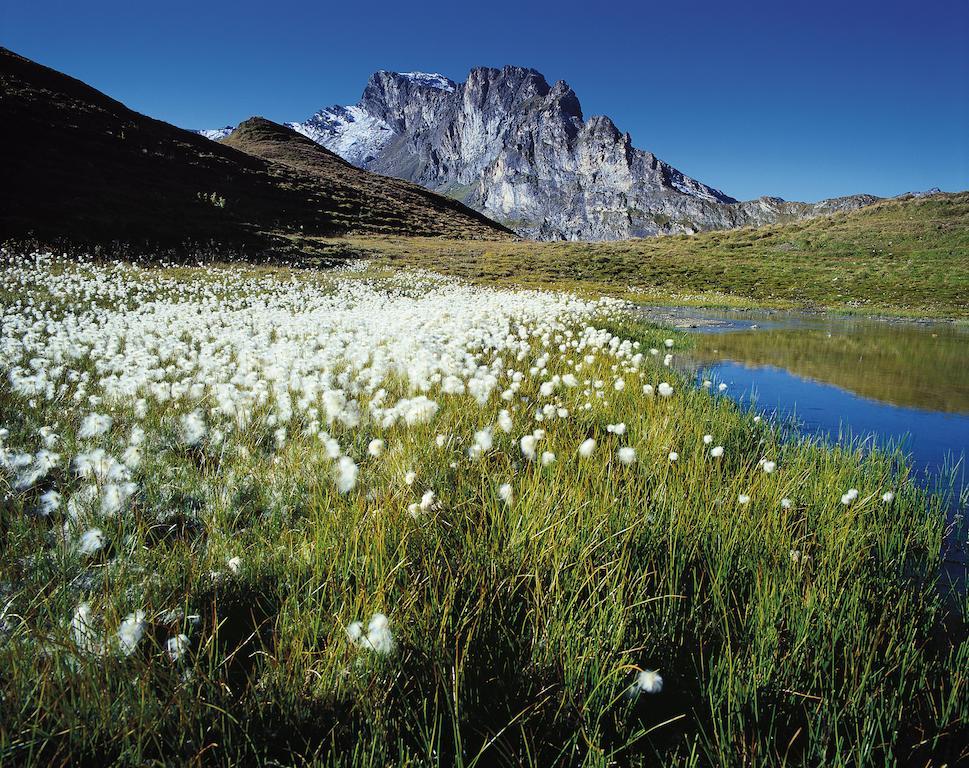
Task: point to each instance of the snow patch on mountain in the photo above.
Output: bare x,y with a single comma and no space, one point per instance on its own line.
351,132
216,133
430,80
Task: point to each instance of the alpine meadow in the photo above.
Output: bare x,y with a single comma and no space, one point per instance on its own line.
451,428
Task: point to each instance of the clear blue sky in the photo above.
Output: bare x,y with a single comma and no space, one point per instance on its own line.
799,99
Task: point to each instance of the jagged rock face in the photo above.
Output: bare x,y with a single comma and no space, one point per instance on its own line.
520,151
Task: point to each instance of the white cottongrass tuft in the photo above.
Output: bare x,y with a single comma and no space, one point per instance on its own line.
665,390
743,499
769,466
505,422
647,681
376,448
722,387
888,497
94,425
587,448
674,456
648,390
616,429
506,493
849,497
707,439
176,647
82,630
627,455
528,443
131,631
482,443
409,477
378,638
547,458
49,502
91,541
786,503
427,501
234,564
345,473
716,451
193,428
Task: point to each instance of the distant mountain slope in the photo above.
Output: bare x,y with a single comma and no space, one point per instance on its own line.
903,256
382,204
510,145
80,166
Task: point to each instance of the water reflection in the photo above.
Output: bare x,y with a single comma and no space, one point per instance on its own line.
899,383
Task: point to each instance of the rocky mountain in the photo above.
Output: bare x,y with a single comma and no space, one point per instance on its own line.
508,144
80,167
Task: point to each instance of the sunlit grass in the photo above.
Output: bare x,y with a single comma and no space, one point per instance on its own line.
811,632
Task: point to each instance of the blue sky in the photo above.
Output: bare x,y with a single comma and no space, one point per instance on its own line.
798,99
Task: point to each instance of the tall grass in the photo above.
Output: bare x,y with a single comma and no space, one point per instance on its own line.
814,634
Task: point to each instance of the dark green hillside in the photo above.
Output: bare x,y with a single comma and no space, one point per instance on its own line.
81,167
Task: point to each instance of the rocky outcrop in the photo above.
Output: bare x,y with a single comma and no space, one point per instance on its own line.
508,144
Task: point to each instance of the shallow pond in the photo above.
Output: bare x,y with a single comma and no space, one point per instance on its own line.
892,383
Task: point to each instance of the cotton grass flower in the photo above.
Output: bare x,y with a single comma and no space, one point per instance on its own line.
587,448
849,497
378,637
527,444
722,387
888,497
376,448
769,467
716,451
506,493
83,632
547,458
647,681
707,439
131,631
665,390
505,423
234,564
48,503
176,647
91,541
345,474
674,456
743,499
786,503
627,455
193,429
94,425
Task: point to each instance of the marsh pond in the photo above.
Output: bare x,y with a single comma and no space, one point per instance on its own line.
889,383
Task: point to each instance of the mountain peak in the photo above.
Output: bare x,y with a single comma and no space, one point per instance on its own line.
429,80
508,144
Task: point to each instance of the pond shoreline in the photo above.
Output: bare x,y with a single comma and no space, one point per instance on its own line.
679,316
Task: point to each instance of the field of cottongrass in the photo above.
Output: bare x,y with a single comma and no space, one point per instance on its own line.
273,517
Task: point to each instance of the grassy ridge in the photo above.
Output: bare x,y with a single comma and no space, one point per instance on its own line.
808,635
897,257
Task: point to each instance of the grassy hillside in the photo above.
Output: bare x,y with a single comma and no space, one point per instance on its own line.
83,168
898,257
